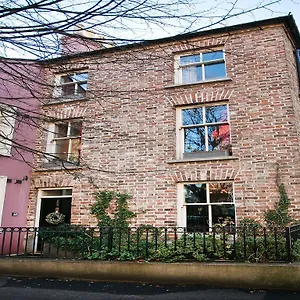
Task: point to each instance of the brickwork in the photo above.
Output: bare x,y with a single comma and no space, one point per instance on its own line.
129,126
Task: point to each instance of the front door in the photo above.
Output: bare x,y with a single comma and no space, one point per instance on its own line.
49,205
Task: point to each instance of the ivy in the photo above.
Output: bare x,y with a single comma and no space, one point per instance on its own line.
279,216
109,215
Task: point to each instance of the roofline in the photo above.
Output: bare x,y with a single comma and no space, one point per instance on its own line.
288,20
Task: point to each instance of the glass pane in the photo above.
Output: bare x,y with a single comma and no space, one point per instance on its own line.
223,213
82,88
197,217
62,192
62,147
191,74
68,90
80,77
75,150
216,114
192,116
61,130
189,59
219,138
66,79
220,192
215,71
195,193
75,129
212,55
194,139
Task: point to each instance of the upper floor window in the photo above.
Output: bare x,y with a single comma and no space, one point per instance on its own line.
203,131
72,84
7,124
201,67
298,62
64,141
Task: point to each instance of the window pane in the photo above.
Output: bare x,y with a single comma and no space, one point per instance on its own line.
82,88
66,79
61,130
221,213
62,192
62,147
212,55
197,216
75,149
218,138
191,74
195,193
68,90
192,116
189,59
80,77
75,129
194,139
220,192
216,114
215,71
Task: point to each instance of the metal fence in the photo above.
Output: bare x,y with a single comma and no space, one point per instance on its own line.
254,244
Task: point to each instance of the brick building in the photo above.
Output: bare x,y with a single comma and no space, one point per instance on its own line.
195,127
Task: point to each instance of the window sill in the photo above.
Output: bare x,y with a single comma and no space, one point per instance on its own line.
197,159
58,165
64,100
197,82
5,154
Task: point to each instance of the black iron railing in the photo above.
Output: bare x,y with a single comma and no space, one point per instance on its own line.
255,244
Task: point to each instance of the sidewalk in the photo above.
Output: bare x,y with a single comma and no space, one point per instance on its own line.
237,275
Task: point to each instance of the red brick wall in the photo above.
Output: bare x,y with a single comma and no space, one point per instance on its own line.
129,129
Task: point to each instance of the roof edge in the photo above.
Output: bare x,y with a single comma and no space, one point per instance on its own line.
288,20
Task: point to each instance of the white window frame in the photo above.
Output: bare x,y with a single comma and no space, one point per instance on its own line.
59,84
180,127
7,123
181,205
178,67
52,140
3,181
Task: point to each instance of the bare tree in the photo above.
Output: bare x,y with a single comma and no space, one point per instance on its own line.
35,26
36,29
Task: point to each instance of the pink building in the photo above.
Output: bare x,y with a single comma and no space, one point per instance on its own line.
19,112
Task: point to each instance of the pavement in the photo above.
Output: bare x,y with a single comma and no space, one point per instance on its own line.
15,288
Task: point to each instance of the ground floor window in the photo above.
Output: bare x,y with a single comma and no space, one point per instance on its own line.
203,205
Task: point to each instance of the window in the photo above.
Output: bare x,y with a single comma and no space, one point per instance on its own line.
201,66
72,84
64,141
203,205
203,131
3,181
7,124
298,62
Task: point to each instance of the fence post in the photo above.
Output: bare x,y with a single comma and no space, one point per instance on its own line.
288,239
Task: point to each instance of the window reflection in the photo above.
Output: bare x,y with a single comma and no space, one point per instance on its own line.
206,129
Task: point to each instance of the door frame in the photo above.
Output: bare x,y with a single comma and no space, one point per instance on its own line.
39,201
